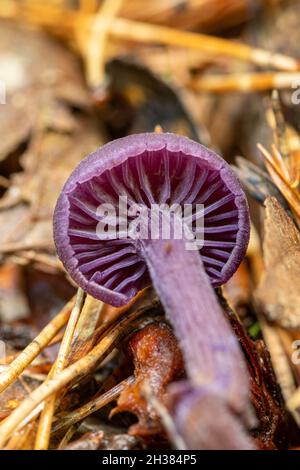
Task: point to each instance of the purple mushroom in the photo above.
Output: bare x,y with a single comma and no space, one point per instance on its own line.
109,250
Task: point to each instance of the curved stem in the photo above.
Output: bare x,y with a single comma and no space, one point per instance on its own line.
212,354
217,377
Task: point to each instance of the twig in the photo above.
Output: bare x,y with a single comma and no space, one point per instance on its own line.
44,427
95,53
21,439
165,417
20,246
75,371
146,33
42,259
67,437
278,125
245,82
24,359
93,405
83,337
277,170
76,25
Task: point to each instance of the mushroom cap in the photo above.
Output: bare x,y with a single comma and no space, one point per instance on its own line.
147,168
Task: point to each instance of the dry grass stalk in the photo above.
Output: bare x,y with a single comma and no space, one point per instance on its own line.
20,246
67,437
245,82
25,358
93,405
95,50
75,26
278,125
22,440
74,372
207,14
45,262
165,417
281,176
83,338
43,432
143,32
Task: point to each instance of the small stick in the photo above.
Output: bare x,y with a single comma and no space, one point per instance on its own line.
21,246
75,371
290,193
93,405
87,337
48,261
67,437
75,21
24,359
95,54
82,341
245,82
165,417
44,427
21,439
147,33
278,125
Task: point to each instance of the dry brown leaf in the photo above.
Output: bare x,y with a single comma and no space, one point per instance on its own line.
41,135
158,361
279,290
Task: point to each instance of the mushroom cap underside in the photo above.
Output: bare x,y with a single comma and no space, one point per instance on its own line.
148,170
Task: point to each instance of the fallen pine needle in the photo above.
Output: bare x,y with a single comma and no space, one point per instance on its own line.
67,437
74,371
278,176
24,359
246,82
44,427
93,405
75,25
84,335
95,51
146,33
165,417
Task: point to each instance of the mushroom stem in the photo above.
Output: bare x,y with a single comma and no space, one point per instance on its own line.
217,377
211,350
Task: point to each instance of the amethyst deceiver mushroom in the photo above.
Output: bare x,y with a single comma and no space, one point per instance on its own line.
151,169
